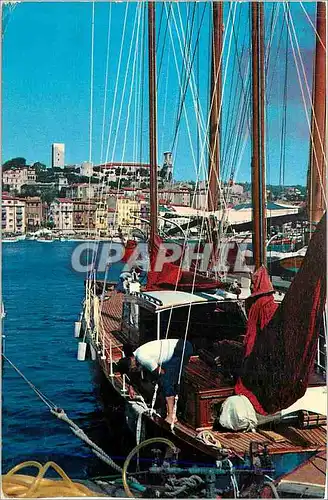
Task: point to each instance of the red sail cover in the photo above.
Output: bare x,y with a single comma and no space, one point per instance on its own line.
281,345
171,276
129,249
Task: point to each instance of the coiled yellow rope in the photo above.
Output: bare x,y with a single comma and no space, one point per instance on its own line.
23,486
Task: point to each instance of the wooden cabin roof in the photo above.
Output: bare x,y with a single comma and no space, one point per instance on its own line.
167,299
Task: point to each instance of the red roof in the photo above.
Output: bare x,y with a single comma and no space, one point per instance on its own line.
9,197
64,200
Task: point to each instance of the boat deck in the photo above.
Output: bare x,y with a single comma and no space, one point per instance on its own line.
280,439
306,481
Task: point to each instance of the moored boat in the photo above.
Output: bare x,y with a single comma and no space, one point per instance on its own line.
110,318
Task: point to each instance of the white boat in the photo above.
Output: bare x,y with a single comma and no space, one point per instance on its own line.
10,239
44,239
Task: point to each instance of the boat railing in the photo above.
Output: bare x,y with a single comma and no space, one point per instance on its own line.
149,298
321,361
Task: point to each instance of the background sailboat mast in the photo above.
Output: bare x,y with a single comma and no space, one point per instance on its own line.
152,122
318,167
216,92
258,151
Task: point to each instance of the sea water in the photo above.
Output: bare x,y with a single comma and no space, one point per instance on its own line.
42,297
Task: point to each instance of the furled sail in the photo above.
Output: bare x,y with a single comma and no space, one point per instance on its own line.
170,275
281,342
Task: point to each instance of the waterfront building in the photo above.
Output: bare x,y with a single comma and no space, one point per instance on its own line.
15,178
61,212
58,155
34,213
127,209
84,215
111,220
13,215
101,218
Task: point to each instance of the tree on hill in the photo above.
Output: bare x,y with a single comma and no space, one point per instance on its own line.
39,167
18,162
27,190
48,195
47,175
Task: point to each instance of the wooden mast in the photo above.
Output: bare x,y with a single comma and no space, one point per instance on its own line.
216,92
262,136
152,122
318,167
258,151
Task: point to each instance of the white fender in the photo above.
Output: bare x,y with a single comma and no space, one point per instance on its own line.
81,352
93,353
77,329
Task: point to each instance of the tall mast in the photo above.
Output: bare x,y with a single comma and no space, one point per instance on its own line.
262,136
258,151
318,167
216,92
152,122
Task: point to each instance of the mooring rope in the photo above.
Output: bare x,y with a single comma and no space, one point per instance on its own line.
60,413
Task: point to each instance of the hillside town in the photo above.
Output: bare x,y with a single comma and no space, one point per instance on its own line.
104,199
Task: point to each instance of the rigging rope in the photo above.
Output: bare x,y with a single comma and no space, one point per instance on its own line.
284,121
183,96
313,26
291,34
102,205
43,398
106,83
91,80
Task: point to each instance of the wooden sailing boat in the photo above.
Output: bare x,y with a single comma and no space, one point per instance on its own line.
140,317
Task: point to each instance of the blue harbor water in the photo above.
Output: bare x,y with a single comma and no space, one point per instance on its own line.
42,297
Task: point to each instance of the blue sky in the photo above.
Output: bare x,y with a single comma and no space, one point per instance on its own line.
46,86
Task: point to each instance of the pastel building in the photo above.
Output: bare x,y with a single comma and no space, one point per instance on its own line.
13,215
101,217
128,212
15,178
34,212
61,212
84,215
